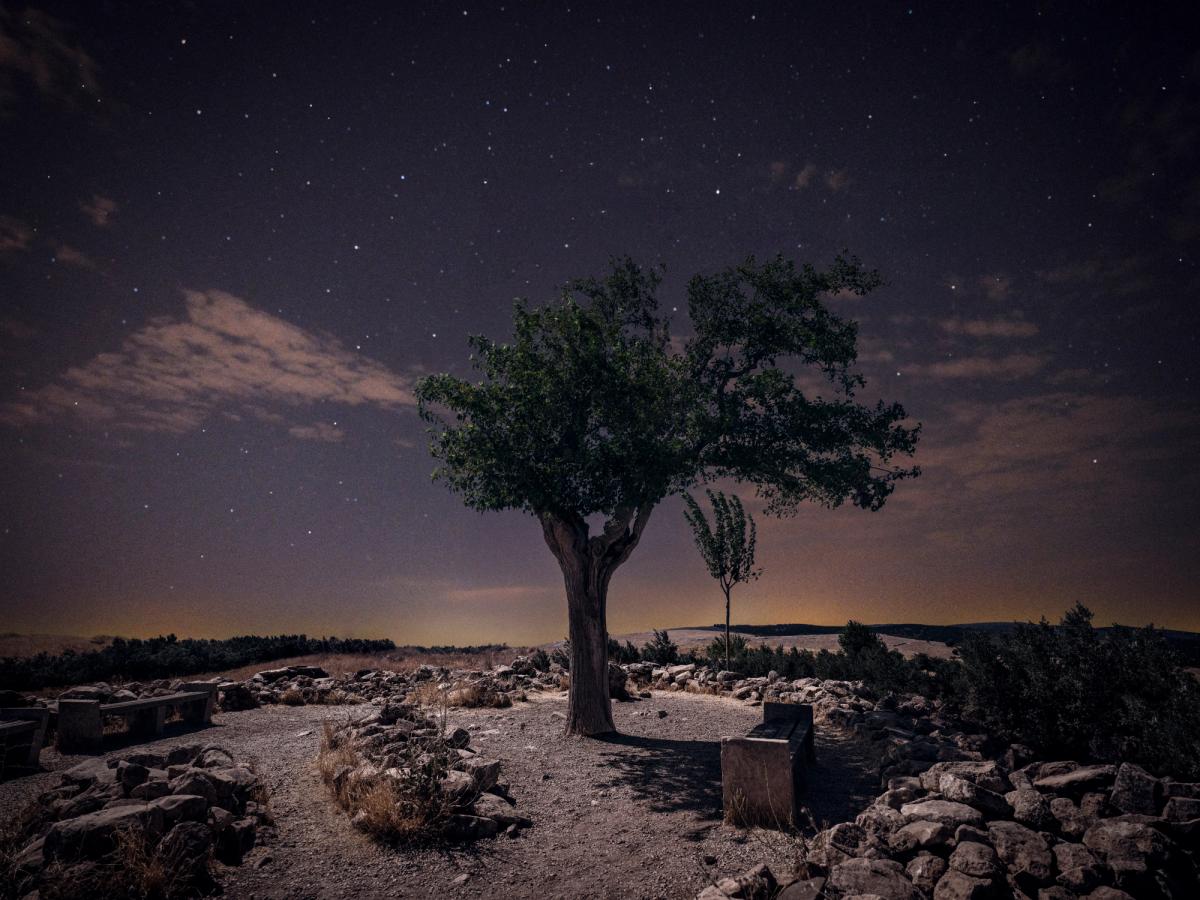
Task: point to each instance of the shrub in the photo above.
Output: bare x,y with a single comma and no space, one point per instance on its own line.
1073,691
292,697
405,806
622,653
540,660
661,649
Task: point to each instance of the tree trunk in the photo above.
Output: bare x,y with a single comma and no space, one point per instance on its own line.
587,565
727,629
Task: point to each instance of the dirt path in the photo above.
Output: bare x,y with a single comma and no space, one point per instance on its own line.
631,816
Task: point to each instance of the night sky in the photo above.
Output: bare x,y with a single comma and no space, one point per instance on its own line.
232,235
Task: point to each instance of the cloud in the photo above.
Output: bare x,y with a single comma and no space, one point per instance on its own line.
837,179
804,177
99,209
36,50
222,355
1007,368
983,328
65,253
1122,275
995,287
15,235
318,431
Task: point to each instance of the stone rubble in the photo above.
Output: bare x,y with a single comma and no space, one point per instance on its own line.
181,806
417,753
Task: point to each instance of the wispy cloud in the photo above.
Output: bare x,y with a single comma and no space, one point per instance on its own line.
985,328
65,253
223,354
318,431
99,209
1007,368
15,235
37,50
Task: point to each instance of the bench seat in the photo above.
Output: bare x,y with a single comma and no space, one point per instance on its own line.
22,735
763,773
81,722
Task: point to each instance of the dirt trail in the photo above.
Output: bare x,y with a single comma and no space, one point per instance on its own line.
631,816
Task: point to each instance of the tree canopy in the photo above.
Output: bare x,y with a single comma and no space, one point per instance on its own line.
594,408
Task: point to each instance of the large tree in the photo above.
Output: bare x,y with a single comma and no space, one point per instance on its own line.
593,411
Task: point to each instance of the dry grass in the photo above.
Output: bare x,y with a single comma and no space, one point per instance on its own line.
405,811
292,697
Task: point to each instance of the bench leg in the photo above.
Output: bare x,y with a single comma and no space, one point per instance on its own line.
80,726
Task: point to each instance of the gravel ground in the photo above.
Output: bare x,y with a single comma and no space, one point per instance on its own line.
631,816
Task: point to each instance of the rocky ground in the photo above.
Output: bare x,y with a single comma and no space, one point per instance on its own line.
636,815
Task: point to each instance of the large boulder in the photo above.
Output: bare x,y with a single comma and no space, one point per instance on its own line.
960,790
1136,791
1077,781
1030,807
882,877
947,812
975,859
1130,849
184,853
956,885
925,870
93,835
1023,851
617,678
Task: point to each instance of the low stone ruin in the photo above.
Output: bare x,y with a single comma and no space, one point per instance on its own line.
983,829
404,777
146,819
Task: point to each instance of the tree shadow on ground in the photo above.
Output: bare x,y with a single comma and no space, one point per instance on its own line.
671,776
668,775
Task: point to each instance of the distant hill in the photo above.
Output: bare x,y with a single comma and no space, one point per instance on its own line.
1186,644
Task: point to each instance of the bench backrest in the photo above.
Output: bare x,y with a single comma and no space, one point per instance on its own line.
151,702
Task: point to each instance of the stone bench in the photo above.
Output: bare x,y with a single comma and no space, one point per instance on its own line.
81,722
22,734
763,773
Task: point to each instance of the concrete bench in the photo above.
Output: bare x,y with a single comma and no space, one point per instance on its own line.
22,735
763,773
81,722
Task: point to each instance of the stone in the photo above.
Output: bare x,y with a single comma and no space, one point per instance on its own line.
919,835
184,853
985,773
754,884
883,877
925,870
94,834
1181,789
617,681
235,841
469,828
151,790
1136,791
1128,848
956,885
131,774
1024,852
1109,893
1071,820
956,788
879,820
492,807
1030,807
1181,809
1077,781
808,889
92,771
182,808
194,781
484,773
947,812
977,860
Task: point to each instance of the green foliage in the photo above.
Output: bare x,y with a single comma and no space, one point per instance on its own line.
661,649
728,545
592,409
715,651
857,638
163,657
1074,691
622,653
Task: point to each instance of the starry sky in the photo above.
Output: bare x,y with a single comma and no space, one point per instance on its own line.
232,236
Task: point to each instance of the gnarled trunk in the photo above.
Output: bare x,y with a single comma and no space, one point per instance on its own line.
587,565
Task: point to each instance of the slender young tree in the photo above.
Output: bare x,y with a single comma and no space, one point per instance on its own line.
592,410
727,546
